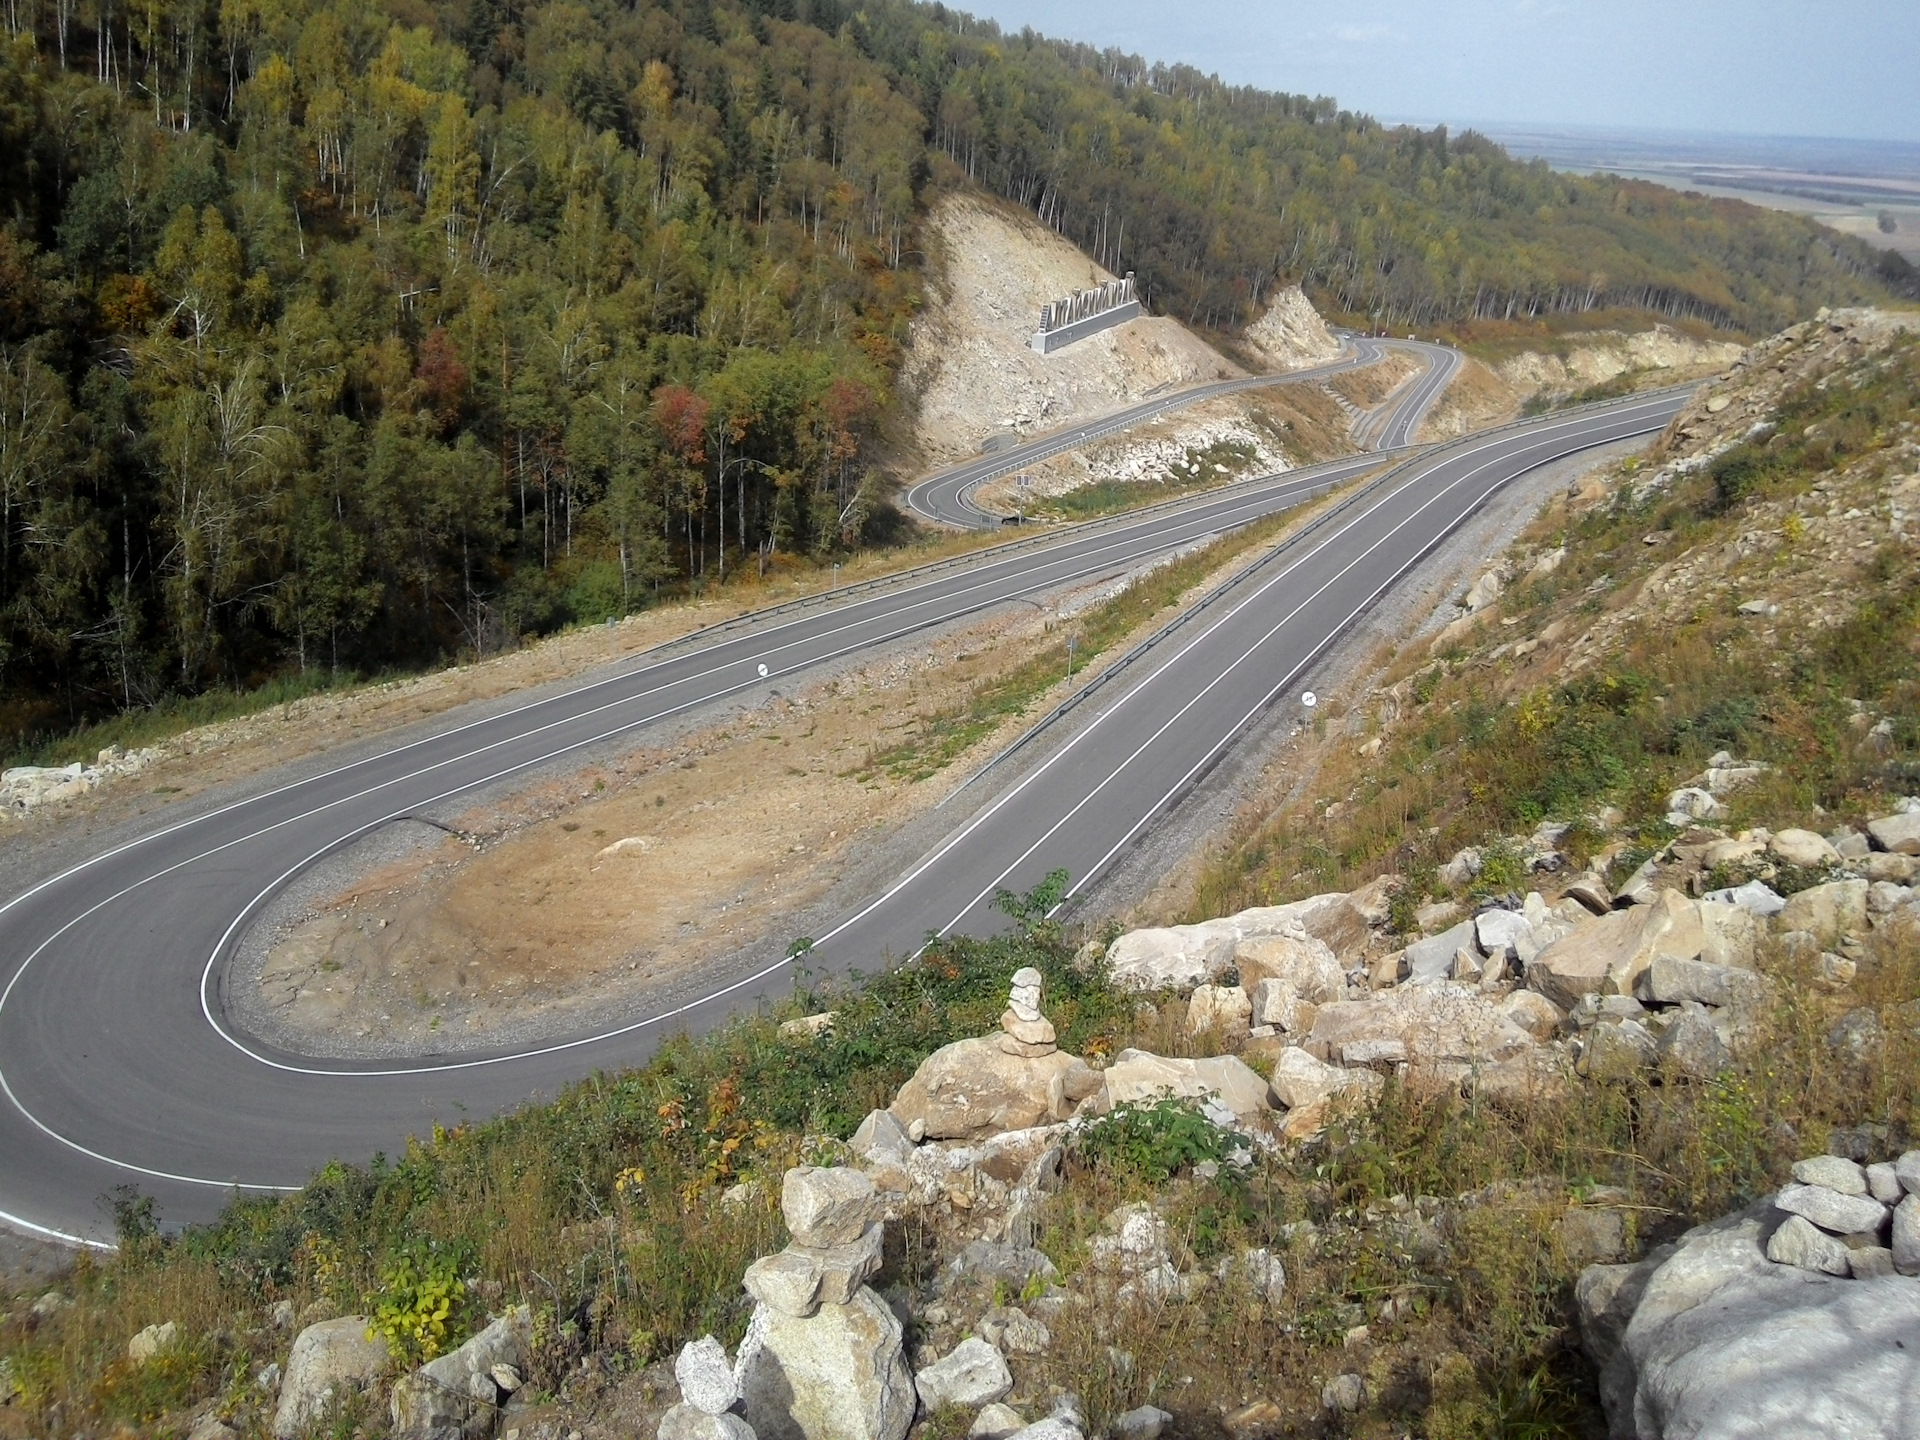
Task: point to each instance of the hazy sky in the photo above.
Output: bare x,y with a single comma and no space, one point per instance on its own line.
1778,67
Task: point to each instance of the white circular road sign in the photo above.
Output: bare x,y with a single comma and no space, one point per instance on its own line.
1309,699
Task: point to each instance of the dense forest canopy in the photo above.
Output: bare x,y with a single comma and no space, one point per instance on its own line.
338,335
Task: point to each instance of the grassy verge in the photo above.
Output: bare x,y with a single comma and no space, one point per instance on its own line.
938,739
1200,468
1472,762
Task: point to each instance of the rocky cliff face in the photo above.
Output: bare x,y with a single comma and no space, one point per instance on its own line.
969,367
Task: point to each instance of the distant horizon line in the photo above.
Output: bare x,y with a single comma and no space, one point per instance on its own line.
1674,132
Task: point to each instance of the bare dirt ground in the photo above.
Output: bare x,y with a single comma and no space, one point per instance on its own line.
969,364
538,912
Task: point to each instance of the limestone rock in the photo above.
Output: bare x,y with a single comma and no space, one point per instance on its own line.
1671,982
1618,1048
787,1283
881,1139
1012,1331
1897,833
1608,956
327,1361
839,1374
1801,1243
996,1422
1883,1183
1182,956
972,1089
687,1422
1037,1031
1907,1171
1870,1262
1223,1009
1437,1024
1835,1172
1533,1013
151,1341
1505,932
1145,1422
1344,1393
1592,892
1906,1236
1259,1269
1756,897
706,1376
1275,1003
972,1374
827,1206
456,1396
843,1269
1722,1344
1827,912
1309,1088
1430,961
212,1427
1139,1076
1592,1233
1692,1045
1803,848
1172,957
1831,1210
1301,963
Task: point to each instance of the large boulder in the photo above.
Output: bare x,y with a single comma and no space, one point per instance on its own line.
1309,1089
838,1374
1608,956
1139,1076
1898,833
1430,961
1305,965
1178,957
1434,1024
1804,849
973,1088
1827,911
1223,1009
1170,957
459,1395
329,1361
973,1374
1719,1343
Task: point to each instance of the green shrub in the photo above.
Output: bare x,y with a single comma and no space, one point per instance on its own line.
1156,1141
421,1302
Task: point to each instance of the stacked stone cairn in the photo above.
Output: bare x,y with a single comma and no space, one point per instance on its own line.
824,1358
1844,1218
1026,1032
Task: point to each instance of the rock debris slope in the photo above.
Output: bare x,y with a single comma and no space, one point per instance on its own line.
968,364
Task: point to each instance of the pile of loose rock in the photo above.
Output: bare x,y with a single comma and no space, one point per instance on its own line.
823,1357
1844,1218
26,788
1793,1317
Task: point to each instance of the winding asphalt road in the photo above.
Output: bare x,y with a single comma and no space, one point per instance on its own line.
119,1065
946,495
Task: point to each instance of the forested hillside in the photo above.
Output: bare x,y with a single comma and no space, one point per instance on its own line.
338,335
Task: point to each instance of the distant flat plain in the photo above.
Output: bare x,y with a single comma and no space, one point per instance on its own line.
1855,186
